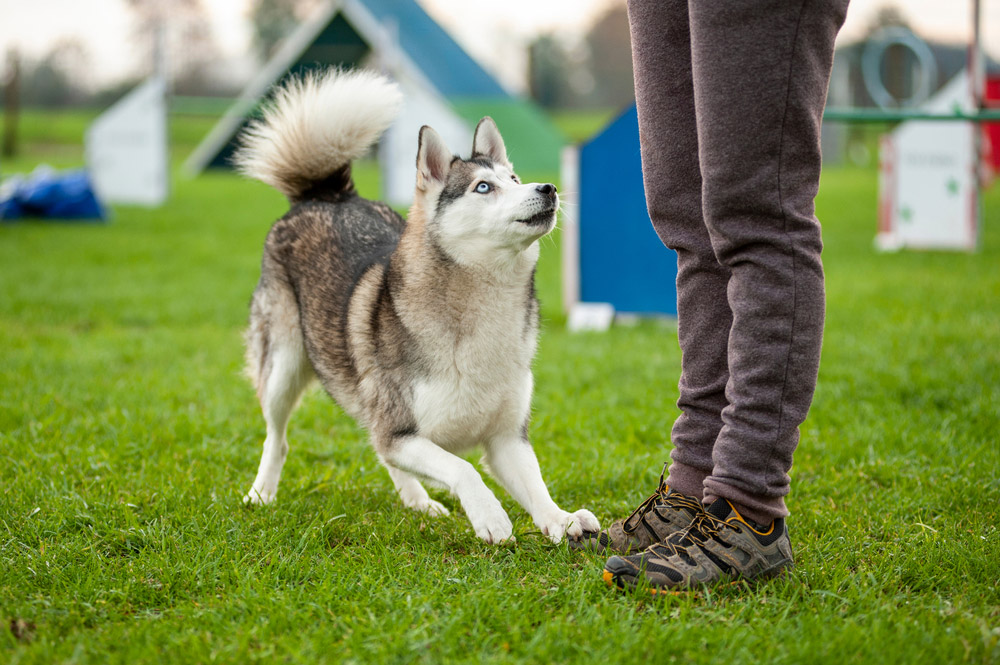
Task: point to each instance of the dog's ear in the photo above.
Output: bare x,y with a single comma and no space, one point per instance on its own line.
433,159
487,142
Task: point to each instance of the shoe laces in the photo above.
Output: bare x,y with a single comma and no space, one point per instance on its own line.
661,496
702,527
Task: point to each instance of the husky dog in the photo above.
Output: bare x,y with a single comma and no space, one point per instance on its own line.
423,329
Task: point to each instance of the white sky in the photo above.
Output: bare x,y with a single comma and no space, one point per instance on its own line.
493,32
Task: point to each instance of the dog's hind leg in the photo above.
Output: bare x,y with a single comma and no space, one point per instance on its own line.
279,367
413,493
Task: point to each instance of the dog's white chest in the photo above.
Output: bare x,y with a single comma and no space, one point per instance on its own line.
479,389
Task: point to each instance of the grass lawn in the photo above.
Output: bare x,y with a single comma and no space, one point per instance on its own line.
128,436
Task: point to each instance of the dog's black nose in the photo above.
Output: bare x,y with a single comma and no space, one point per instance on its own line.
548,189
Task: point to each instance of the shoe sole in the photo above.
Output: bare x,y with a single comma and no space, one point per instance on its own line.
629,583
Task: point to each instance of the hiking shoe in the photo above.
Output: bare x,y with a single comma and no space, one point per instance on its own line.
664,513
718,545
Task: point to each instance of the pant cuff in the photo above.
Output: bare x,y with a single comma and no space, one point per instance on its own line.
761,509
686,479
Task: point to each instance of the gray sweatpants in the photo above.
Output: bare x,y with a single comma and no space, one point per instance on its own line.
730,96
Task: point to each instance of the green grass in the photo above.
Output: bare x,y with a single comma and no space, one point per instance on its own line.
127,438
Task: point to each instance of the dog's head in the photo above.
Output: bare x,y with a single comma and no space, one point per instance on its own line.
477,209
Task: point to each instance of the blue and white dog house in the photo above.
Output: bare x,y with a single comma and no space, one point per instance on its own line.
611,254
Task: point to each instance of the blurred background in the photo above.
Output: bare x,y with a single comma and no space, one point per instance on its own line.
571,57
137,98
564,53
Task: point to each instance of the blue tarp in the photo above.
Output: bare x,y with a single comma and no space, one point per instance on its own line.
51,195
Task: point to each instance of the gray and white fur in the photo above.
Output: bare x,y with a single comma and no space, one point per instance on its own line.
424,329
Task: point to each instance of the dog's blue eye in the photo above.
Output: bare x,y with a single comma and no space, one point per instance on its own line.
483,188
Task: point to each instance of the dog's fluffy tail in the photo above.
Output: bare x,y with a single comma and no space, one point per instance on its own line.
316,125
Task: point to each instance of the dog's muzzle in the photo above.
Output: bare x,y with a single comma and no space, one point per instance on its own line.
544,216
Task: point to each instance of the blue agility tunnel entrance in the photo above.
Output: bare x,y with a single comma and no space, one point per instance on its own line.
611,254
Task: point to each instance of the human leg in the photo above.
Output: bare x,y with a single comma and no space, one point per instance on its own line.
761,71
760,74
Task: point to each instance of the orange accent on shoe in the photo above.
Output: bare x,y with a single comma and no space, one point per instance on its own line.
742,520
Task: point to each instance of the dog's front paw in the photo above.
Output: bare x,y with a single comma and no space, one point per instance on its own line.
569,524
491,524
582,521
497,529
260,496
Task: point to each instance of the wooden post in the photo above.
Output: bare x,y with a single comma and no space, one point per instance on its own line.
11,105
977,76
977,72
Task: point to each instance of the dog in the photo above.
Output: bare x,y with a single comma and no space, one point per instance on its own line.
424,329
